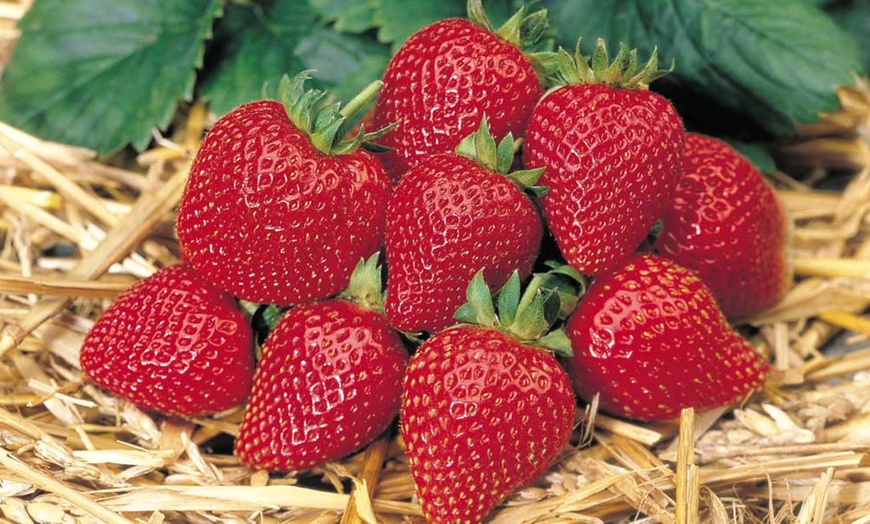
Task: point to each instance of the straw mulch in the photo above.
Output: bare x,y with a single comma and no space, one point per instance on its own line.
76,232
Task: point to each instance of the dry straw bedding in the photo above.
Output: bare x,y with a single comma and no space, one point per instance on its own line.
76,232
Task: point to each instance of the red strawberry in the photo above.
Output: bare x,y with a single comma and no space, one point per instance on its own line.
482,412
726,223
448,218
611,150
329,382
275,210
651,341
172,343
449,75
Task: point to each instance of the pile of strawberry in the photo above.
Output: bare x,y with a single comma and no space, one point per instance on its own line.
675,233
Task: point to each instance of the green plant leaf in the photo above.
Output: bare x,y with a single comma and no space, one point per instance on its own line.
774,63
104,73
259,42
397,19
756,153
854,17
348,16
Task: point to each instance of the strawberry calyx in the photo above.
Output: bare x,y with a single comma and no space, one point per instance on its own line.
622,72
366,284
521,30
481,147
324,125
527,315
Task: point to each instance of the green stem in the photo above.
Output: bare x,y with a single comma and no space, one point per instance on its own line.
361,99
531,290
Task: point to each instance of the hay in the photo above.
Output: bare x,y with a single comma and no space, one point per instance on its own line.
76,232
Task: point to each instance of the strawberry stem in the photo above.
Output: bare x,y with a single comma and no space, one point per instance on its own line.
361,99
324,125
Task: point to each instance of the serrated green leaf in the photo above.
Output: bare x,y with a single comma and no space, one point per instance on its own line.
396,20
854,17
261,41
774,63
349,16
756,153
104,73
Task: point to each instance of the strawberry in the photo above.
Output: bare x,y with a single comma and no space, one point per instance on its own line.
450,216
329,381
172,343
447,76
726,223
650,340
484,411
278,210
611,149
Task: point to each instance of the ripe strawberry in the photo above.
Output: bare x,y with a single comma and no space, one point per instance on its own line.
484,413
449,75
449,217
172,343
651,341
329,381
276,210
726,223
611,150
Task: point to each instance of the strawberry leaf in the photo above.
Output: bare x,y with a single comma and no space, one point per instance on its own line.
854,17
772,63
349,16
259,42
397,19
104,73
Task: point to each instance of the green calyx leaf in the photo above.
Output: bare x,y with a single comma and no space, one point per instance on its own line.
325,125
527,315
565,281
479,309
558,342
481,147
521,30
366,284
622,72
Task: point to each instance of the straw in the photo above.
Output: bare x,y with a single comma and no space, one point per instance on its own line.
75,231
